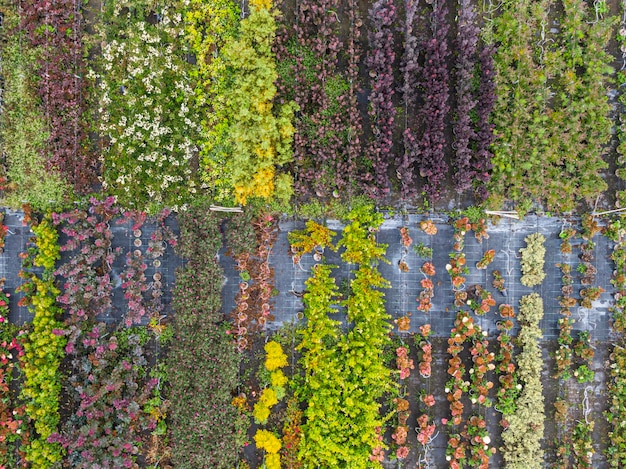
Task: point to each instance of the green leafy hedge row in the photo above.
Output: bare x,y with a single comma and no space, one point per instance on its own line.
616,386
203,364
44,349
552,116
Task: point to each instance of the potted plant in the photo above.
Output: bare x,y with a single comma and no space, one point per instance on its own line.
487,259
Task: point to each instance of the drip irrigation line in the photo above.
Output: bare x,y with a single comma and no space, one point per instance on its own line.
586,406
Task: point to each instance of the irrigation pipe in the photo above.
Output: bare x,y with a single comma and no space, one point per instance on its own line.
586,408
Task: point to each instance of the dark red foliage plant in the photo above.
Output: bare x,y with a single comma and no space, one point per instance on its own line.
380,62
486,100
466,57
87,288
352,120
410,69
327,142
109,386
56,28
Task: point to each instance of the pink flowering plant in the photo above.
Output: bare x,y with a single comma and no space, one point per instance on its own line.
403,362
134,286
15,428
87,277
108,387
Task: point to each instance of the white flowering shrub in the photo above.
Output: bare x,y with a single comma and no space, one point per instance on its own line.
146,114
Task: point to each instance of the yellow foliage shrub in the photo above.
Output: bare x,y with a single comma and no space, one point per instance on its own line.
272,461
278,379
261,4
266,440
275,357
261,411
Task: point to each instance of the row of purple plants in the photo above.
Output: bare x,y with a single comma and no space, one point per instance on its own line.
341,145
55,29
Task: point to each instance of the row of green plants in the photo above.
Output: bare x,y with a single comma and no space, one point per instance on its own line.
258,139
206,429
522,446
564,354
44,349
621,127
574,358
208,25
533,259
552,116
146,116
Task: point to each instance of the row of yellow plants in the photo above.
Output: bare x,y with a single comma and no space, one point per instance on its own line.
43,351
275,359
246,136
345,376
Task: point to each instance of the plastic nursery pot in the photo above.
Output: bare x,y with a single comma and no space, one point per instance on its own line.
137,233
243,306
262,321
137,242
137,253
243,286
265,306
317,257
157,263
157,276
299,315
242,316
